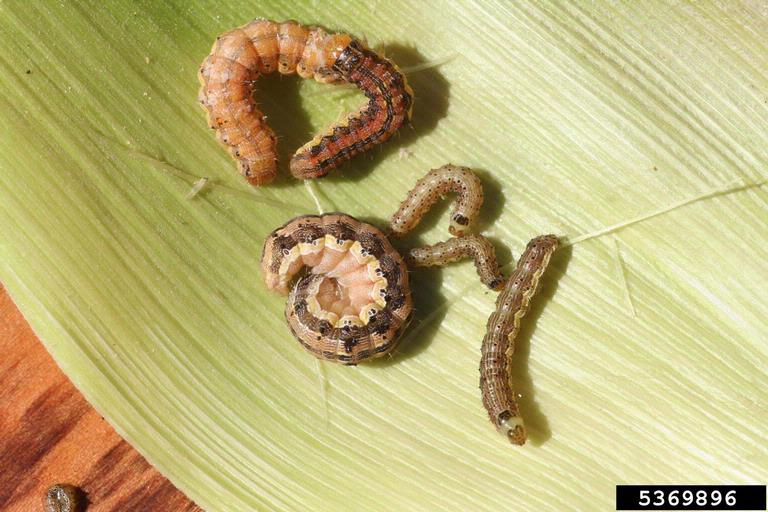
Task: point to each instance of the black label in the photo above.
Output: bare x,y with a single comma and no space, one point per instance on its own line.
690,497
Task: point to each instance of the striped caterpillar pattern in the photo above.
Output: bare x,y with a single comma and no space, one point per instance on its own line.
473,246
499,341
432,187
354,300
240,56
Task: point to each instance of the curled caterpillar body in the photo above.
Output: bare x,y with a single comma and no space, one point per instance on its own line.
476,247
355,299
499,341
435,185
63,498
240,56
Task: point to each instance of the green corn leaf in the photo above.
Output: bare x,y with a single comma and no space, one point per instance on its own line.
639,131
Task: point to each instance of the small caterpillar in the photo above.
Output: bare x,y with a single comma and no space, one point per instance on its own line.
63,498
476,247
356,297
499,341
240,56
429,189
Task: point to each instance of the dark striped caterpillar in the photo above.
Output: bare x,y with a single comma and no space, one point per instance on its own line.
240,56
499,341
354,300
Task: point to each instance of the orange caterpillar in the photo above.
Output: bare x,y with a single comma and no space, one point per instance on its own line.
239,57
